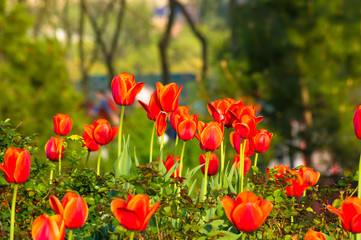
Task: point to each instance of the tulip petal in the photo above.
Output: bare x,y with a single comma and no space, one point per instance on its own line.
247,217
8,177
22,170
228,205
186,130
149,215
356,224
115,205
133,92
139,204
129,219
161,123
75,213
56,205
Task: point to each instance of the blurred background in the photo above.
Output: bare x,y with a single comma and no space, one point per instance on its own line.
299,62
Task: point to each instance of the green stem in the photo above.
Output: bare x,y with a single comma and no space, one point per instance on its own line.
255,160
12,221
241,163
60,148
176,142
243,236
87,158
131,235
70,235
222,164
98,164
151,144
181,159
206,176
51,176
120,131
161,148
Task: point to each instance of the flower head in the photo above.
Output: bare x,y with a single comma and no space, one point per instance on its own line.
247,163
124,88
103,132
16,166
313,235
169,163
88,137
45,227
219,110
210,135
213,163
62,124
167,96
260,141
357,122
52,148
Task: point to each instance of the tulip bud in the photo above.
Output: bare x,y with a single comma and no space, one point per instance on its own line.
62,124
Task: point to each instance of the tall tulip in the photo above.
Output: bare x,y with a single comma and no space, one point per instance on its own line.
248,212
247,163
236,141
210,135
124,88
45,227
219,110
16,169
350,214
260,141
134,214
169,163
167,96
62,124
313,235
309,175
213,163
73,209
52,148
357,122
88,137
245,120
296,186
181,110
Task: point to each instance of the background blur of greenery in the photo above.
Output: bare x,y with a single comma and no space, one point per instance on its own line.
297,59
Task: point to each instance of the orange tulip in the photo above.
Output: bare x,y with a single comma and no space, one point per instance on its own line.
296,185
103,132
213,163
169,163
181,110
236,140
210,135
16,166
313,235
124,88
186,126
51,228
357,122
245,120
248,212
152,108
281,171
260,141
73,209
161,123
62,124
135,213
247,163
52,148
167,96
350,214
309,175
219,110
88,137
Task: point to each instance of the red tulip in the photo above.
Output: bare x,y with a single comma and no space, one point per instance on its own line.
124,88
309,175
244,120
296,185
52,148
181,110
357,122
161,123
73,209
247,212
313,235
167,96
236,140
169,163
62,124
281,171
219,111
16,166
210,135
350,214
247,163
51,228
260,141
186,126
88,137
135,213
103,132
152,108
213,163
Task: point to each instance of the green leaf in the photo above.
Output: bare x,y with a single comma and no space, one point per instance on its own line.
123,164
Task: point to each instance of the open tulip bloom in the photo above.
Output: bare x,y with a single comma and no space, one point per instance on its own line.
45,227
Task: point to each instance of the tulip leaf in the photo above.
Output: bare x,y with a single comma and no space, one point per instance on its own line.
135,158
123,164
191,189
327,237
171,171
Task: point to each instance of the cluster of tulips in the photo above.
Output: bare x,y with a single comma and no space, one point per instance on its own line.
247,212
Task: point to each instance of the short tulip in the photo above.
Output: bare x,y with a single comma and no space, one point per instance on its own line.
45,227
62,124
16,166
186,126
124,88
52,148
167,96
236,141
181,110
88,137
296,185
313,235
213,163
247,163
219,111
247,212
169,163
309,175
103,132
210,135
245,121
134,214
260,141
73,209
281,171
357,122
350,214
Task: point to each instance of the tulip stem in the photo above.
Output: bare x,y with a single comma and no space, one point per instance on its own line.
70,235
255,160
131,235
181,159
222,164
120,131
87,158
12,221
151,144
241,164
161,148
206,176
98,164
51,176
176,142
60,148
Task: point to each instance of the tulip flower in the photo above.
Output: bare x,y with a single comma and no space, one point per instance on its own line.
357,122
169,163
62,124
213,163
247,163
236,141
103,132
124,88
181,110
281,171
134,214
313,235
152,108
186,126
247,212
309,175
219,110
16,166
73,209
210,135
88,137
296,185
167,96
52,148
245,121
45,227
161,123
260,141
349,213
